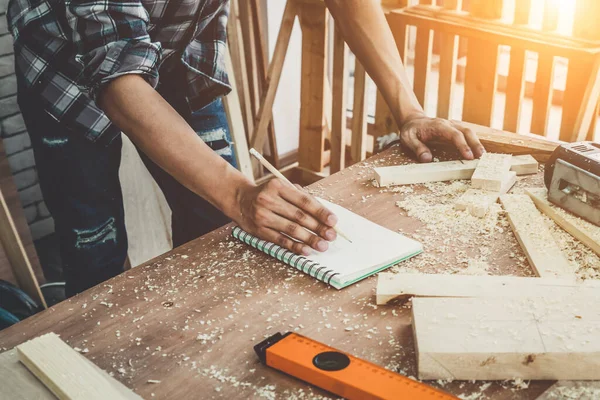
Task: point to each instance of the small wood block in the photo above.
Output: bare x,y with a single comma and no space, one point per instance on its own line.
491,171
543,337
444,171
66,373
404,285
582,230
478,201
530,229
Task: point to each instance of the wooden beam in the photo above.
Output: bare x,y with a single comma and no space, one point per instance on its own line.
16,254
265,111
481,81
588,112
542,251
447,67
66,373
233,111
444,171
478,201
402,286
422,63
338,102
491,171
544,80
505,142
542,337
582,230
359,111
313,21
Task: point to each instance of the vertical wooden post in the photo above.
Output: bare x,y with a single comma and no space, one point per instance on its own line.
544,82
359,118
423,47
515,82
338,101
313,22
580,70
448,55
480,75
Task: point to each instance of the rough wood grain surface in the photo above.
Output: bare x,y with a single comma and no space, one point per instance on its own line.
190,317
491,171
544,337
542,251
64,371
391,286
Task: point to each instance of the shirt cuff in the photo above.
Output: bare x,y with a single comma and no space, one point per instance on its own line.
123,57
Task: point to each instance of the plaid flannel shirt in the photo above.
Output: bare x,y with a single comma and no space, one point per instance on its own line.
65,51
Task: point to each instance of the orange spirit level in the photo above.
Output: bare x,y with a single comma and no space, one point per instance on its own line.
339,373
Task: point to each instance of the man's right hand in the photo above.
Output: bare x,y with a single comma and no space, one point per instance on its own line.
275,208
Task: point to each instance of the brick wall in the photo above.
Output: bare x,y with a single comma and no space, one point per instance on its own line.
16,140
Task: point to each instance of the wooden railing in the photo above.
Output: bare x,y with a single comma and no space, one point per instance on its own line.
328,138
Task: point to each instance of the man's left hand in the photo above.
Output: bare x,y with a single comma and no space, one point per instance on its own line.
418,130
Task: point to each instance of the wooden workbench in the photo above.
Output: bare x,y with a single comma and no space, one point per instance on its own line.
191,317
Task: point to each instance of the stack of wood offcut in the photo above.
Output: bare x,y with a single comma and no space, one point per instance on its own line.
502,327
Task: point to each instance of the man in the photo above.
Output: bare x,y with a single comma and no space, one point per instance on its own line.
154,70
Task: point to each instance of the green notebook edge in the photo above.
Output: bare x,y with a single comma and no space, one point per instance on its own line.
332,281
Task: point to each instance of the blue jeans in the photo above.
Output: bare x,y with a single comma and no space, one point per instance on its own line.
80,184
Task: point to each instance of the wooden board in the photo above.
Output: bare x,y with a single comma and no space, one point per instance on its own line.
478,201
338,102
444,171
580,229
17,383
580,390
544,337
542,251
392,286
65,373
491,171
19,262
313,22
359,114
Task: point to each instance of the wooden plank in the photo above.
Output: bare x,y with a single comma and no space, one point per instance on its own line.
444,171
447,67
359,117
578,76
480,74
233,111
491,171
580,390
65,373
265,111
338,102
515,87
392,286
544,80
235,43
398,28
480,82
546,337
478,201
384,119
588,112
582,230
17,255
18,383
423,46
313,21
505,142
515,84
493,31
542,251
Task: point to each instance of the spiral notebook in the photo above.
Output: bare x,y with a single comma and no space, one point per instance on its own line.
373,249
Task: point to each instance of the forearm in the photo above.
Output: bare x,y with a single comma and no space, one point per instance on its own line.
162,134
367,33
